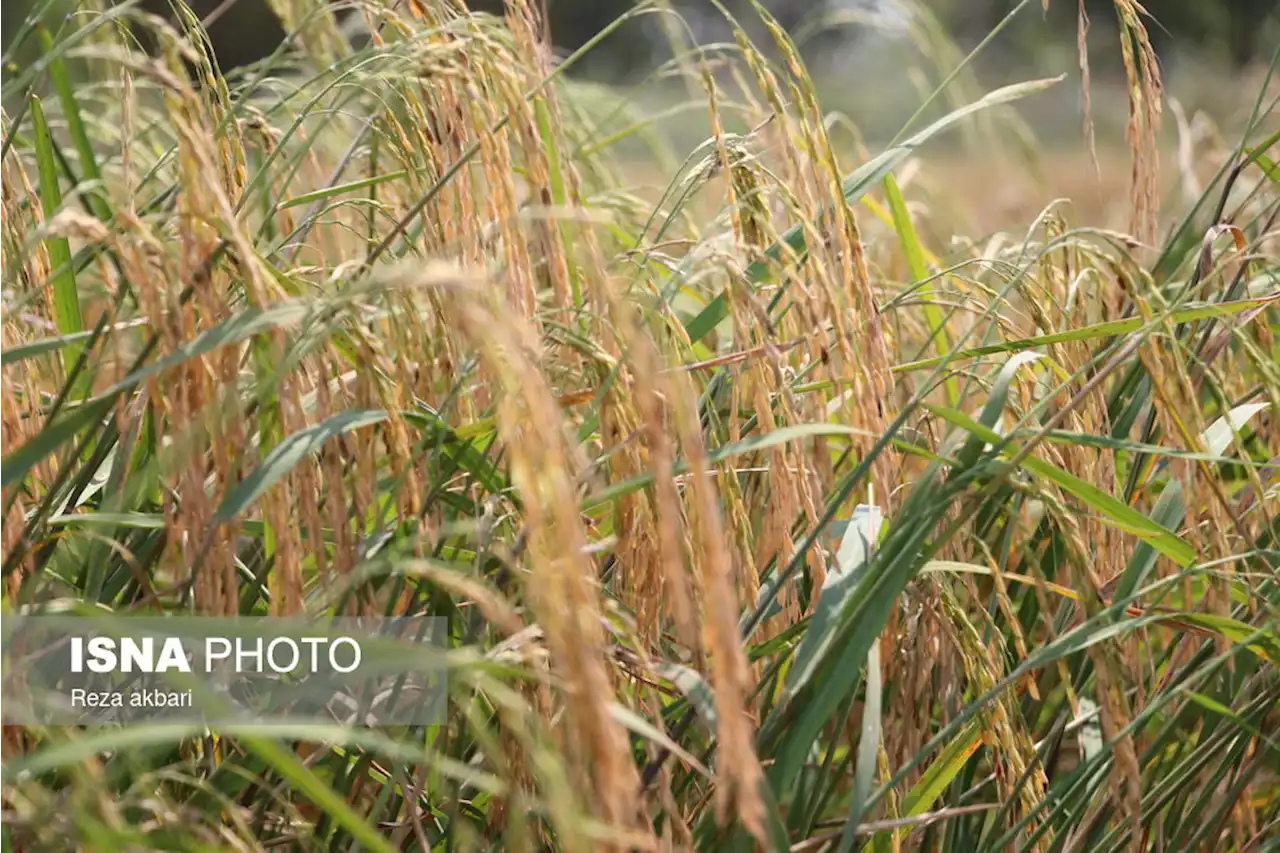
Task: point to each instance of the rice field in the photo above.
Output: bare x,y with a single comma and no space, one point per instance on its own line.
431,327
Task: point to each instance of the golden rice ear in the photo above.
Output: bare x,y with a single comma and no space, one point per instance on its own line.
1146,101
1086,83
560,578
315,26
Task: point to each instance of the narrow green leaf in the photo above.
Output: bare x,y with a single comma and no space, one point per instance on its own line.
934,782
1235,719
1097,330
993,409
233,330
851,562
133,520
639,725
15,354
287,454
1169,512
304,781
1258,155
942,771
66,299
1171,509
914,254
694,688
341,189
52,436
89,171
1260,641
868,749
1114,511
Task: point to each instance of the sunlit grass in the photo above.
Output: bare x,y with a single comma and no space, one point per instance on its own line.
604,405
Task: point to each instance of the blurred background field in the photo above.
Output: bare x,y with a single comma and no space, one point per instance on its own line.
874,61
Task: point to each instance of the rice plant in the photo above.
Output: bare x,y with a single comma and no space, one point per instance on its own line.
419,324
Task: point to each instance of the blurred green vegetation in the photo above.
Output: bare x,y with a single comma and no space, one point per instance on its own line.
1232,31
